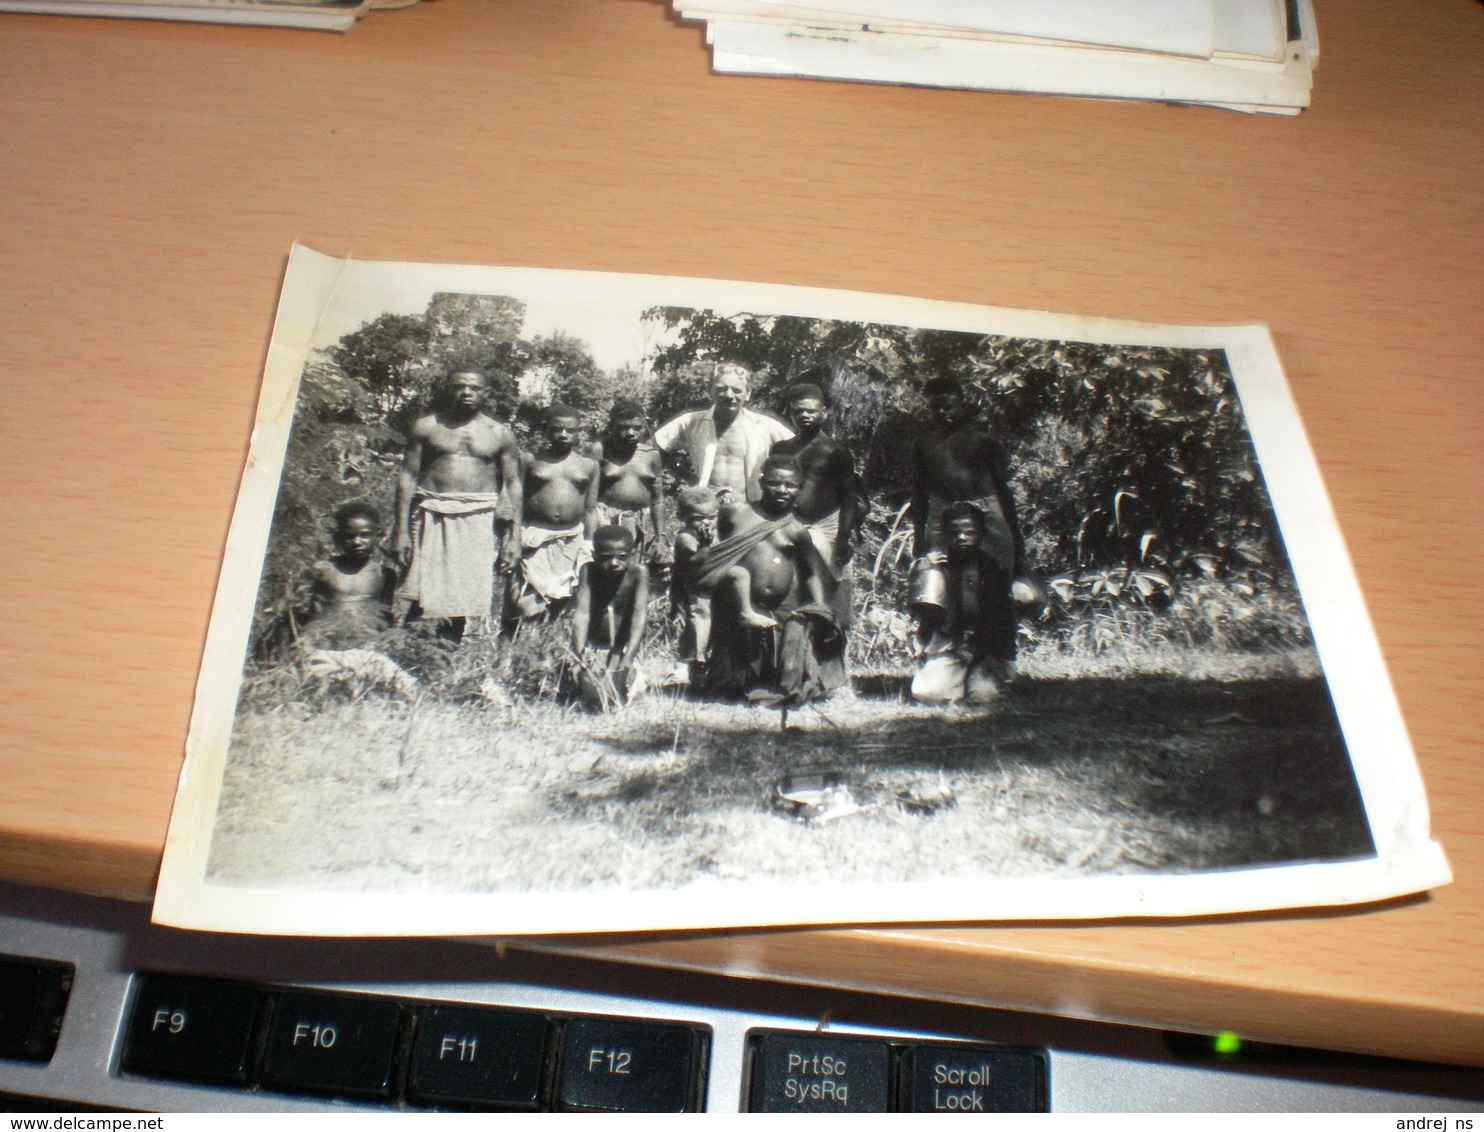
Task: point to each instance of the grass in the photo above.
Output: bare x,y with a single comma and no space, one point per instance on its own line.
1060,778
1211,631
1199,737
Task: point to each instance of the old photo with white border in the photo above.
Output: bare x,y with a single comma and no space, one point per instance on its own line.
1164,695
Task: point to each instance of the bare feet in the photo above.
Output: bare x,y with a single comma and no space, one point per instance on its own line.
755,620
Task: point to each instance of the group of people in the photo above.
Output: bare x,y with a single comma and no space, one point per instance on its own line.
757,566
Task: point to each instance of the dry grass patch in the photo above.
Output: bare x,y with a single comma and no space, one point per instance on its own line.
1060,778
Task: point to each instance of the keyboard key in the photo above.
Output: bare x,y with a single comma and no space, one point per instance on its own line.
621,1066
467,1055
955,1078
332,1044
191,1028
33,996
814,1073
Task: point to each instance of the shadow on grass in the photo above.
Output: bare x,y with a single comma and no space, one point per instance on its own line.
1189,775
882,687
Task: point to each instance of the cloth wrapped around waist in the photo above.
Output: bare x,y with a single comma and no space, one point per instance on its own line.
453,554
551,558
639,521
824,533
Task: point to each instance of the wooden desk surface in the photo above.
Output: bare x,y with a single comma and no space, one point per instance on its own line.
152,178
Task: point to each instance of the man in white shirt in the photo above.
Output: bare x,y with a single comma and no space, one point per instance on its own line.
726,444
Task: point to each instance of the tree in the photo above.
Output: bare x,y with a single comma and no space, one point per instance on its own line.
778,349
1120,453
478,332
1156,460
566,369
400,358
482,318
385,356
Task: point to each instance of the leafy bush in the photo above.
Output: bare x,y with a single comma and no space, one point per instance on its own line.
1136,484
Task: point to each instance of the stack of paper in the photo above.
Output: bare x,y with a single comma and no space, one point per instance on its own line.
1250,55
324,15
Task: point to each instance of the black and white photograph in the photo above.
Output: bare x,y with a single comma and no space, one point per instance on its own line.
565,602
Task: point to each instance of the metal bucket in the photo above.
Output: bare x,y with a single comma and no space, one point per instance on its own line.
927,586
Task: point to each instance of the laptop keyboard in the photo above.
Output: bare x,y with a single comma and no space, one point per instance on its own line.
99,1009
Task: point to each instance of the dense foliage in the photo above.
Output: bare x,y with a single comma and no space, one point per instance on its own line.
1123,456
1131,464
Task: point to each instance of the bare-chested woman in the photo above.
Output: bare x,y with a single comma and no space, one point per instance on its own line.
631,486
783,646
783,568
560,493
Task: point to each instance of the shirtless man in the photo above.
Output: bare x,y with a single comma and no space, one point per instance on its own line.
829,495
559,514
785,580
957,462
724,446
631,488
829,501
458,505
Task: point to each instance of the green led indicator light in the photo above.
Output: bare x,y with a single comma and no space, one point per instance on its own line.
1226,1043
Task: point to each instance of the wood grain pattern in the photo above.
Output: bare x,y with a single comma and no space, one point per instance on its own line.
154,176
